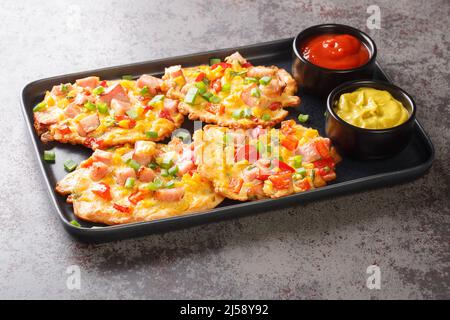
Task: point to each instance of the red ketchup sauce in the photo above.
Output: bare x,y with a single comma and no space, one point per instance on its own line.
335,51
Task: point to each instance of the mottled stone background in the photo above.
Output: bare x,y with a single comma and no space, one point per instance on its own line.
318,250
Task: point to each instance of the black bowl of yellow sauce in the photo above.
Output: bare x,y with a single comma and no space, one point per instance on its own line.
370,119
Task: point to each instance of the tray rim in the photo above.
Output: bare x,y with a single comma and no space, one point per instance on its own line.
89,233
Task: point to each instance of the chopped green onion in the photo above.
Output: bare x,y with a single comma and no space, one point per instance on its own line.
237,114
250,80
132,113
265,80
247,113
191,95
201,87
129,183
40,106
170,184
49,156
227,138
102,108
109,121
206,95
303,118
213,61
214,99
183,136
326,169
205,81
155,185
259,146
157,98
98,90
226,87
173,171
266,117
255,93
151,134
133,164
90,106
166,163
64,88
297,161
152,165
127,77
144,91
237,73
75,223
164,173
70,165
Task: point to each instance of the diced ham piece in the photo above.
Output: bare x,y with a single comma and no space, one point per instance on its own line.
152,83
272,89
98,170
47,117
57,90
170,105
88,124
250,174
103,156
72,111
236,57
146,174
81,98
122,174
308,152
246,96
260,71
120,107
143,152
175,194
184,167
88,82
174,71
115,91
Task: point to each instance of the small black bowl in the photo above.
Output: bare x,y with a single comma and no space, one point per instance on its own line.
320,81
364,143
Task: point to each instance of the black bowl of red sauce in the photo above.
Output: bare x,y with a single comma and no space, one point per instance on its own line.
328,55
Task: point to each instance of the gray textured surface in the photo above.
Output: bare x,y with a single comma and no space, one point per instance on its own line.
318,250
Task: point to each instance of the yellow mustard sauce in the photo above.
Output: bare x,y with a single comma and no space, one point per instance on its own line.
371,109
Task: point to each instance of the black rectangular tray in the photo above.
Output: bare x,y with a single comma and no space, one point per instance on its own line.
352,175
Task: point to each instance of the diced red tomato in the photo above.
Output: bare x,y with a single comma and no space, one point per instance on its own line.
322,149
147,108
288,127
247,152
290,142
236,184
87,163
216,85
200,77
90,142
281,180
103,191
64,129
137,196
247,65
304,185
104,84
224,65
215,108
275,106
121,208
284,167
165,114
324,163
